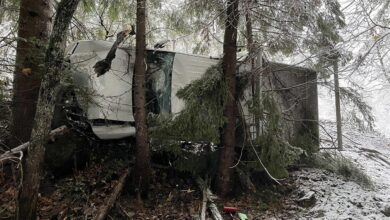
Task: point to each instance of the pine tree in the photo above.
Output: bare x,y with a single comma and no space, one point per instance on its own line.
229,62
142,168
33,35
32,169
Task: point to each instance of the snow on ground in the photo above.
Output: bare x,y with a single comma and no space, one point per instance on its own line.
340,199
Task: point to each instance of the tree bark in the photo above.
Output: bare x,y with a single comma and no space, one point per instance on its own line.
224,178
142,168
33,36
337,101
28,192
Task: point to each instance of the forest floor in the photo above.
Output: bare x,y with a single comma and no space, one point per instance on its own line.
175,196
341,199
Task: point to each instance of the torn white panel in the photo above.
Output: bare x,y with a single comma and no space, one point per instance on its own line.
186,68
110,93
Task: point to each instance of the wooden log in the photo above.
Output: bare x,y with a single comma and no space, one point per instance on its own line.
113,197
102,66
58,131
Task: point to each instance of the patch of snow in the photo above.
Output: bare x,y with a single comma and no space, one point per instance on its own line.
341,199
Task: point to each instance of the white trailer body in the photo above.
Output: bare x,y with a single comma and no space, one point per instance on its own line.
109,107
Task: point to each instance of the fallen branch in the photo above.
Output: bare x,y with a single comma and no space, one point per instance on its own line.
9,154
113,197
204,205
210,197
102,66
204,201
214,212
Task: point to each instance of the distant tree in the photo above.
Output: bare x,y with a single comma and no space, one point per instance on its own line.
337,102
52,73
142,168
326,41
229,62
35,20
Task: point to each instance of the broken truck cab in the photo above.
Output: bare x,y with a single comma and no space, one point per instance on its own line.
109,106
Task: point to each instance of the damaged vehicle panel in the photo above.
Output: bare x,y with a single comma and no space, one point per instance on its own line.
108,107
109,103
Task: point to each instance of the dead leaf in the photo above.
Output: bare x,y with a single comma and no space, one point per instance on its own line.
11,191
27,71
170,197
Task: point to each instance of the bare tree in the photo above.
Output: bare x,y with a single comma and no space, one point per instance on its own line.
337,101
229,60
35,20
142,168
28,193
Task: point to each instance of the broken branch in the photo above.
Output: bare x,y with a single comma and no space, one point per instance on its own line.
58,131
210,197
102,66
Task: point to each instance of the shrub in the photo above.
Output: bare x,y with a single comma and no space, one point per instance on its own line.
343,166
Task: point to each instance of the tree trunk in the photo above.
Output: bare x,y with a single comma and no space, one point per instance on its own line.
35,20
254,81
256,70
224,178
142,168
28,193
337,101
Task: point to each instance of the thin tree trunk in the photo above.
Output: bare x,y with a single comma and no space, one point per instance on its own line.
258,89
337,101
224,178
35,20
28,193
142,168
383,67
254,75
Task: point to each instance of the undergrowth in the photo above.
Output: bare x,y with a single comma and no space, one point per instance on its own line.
340,165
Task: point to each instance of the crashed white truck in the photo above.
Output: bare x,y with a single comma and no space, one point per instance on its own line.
108,110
